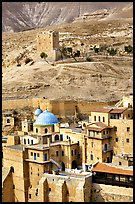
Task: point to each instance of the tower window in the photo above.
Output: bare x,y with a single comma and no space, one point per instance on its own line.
91,156
24,141
57,153
116,139
128,129
8,120
72,153
46,130
62,153
127,140
92,144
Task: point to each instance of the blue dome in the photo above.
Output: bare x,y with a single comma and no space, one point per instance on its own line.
46,118
38,112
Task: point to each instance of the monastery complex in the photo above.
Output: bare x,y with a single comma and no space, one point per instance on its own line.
48,159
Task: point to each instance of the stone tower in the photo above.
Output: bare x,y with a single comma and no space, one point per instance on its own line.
48,42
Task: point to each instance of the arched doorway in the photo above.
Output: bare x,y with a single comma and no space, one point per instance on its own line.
63,166
74,164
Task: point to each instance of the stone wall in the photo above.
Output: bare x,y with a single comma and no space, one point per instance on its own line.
58,188
60,108
108,193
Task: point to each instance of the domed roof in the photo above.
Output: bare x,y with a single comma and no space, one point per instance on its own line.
46,118
38,111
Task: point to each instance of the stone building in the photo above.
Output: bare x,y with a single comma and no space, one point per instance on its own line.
37,162
41,152
48,42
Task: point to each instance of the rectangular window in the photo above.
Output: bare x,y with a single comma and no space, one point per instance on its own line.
99,118
119,163
91,144
31,153
62,153
128,129
72,153
29,196
57,153
34,156
67,136
61,137
45,157
75,152
94,118
93,133
38,155
116,139
127,140
91,156
36,130
103,119
115,128
32,142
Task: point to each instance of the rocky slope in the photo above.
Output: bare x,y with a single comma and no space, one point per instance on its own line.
104,78
20,16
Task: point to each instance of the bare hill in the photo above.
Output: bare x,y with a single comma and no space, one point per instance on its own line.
104,78
20,16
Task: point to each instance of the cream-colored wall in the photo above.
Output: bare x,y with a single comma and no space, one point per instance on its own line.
75,137
122,146
97,114
63,189
13,140
14,158
7,189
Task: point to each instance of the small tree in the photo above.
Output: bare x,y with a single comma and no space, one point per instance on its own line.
96,49
112,51
129,49
44,56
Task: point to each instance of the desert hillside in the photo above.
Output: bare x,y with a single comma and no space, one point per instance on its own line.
103,78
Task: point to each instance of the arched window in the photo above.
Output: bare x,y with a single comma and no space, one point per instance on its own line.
46,130
36,130
28,141
99,118
24,141
31,141
103,119
8,120
56,137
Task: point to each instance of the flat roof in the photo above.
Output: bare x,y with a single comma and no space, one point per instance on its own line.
17,147
46,146
106,168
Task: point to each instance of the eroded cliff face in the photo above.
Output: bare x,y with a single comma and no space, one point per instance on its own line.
20,16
